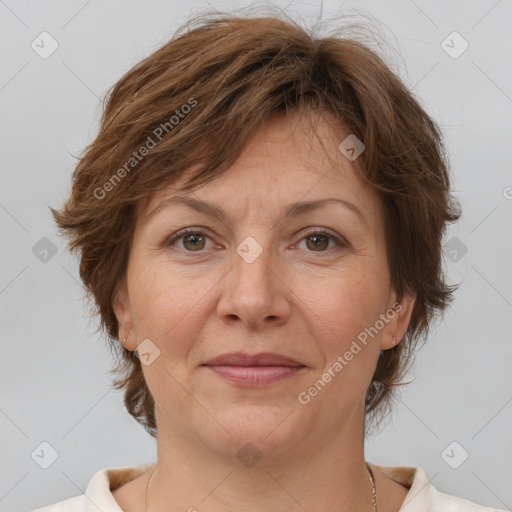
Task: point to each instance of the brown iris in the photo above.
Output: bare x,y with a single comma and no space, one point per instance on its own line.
316,243
197,242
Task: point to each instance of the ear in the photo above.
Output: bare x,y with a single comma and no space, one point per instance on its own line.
124,316
399,316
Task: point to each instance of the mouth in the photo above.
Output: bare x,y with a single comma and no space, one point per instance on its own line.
254,370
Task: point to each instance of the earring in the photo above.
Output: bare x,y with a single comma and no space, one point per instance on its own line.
394,340
124,341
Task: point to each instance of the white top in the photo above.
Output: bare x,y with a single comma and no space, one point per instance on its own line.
422,495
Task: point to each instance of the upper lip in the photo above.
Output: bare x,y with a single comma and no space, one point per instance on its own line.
261,359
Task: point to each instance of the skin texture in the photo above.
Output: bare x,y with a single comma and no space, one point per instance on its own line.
305,301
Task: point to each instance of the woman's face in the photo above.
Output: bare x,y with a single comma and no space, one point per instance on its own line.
258,280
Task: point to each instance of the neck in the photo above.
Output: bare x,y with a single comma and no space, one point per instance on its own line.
315,475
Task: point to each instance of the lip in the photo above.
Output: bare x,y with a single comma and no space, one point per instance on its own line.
254,370
261,359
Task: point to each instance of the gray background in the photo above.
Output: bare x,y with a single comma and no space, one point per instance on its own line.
54,366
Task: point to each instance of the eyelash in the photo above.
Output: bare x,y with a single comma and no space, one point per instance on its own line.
321,231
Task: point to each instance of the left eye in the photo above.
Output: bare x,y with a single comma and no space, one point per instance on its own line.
320,240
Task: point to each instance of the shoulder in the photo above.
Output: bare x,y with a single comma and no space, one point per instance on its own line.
446,502
424,497
98,495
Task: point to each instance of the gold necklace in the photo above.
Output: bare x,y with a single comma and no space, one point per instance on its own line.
370,476
374,491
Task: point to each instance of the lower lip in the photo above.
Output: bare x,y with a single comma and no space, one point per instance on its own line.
256,375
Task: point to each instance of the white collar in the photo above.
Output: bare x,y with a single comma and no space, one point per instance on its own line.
422,495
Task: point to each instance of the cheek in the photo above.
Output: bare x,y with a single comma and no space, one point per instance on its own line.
343,303
167,307
340,311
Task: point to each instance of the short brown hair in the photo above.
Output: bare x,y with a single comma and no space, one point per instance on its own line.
232,73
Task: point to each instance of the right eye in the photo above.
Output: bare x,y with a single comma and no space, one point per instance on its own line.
192,240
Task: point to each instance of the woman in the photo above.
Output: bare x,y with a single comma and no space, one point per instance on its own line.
260,221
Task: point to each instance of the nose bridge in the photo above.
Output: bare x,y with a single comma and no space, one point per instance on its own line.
252,291
253,263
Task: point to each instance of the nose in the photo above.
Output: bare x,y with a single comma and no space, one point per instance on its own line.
255,291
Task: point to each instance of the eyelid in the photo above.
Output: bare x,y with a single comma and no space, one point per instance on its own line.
184,232
339,240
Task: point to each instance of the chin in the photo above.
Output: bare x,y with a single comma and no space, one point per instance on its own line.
255,432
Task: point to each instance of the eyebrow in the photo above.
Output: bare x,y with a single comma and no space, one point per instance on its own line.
291,210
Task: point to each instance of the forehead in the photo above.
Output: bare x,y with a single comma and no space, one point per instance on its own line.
292,157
